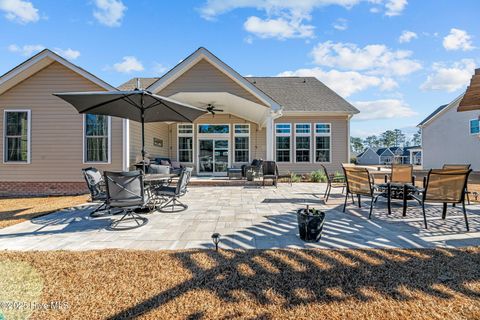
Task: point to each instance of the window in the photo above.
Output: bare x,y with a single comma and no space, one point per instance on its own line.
282,141
17,136
97,138
242,142
474,126
322,142
302,142
213,128
185,143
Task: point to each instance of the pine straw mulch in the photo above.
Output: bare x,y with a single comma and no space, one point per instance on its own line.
16,210
257,284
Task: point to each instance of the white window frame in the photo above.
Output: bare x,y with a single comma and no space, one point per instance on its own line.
186,135
315,135
29,135
302,134
235,134
283,135
470,126
214,134
84,138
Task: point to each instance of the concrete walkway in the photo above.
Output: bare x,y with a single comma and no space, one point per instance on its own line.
249,217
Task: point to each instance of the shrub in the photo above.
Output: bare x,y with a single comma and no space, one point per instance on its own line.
318,176
296,177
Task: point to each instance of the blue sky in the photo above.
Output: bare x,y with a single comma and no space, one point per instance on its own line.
396,60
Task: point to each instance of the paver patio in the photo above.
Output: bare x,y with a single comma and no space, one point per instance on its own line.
249,217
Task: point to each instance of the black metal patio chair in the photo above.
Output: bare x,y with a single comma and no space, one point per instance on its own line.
96,186
125,191
172,194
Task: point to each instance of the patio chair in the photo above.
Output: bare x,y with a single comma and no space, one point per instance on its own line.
460,167
359,182
255,167
333,182
445,186
172,194
270,171
96,186
125,191
401,173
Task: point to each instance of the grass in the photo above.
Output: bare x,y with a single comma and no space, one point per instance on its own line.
16,210
254,284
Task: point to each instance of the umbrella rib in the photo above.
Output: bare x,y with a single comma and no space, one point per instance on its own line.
161,102
104,103
127,99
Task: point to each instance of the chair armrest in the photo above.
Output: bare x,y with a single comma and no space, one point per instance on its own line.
386,178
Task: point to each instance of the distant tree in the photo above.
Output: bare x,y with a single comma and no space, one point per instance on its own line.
356,144
372,141
388,138
417,138
399,138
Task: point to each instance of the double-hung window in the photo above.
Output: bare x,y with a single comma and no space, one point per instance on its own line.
16,144
283,133
323,146
242,142
475,126
185,143
97,138
302,142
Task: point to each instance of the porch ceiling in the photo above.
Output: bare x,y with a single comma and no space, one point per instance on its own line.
228,102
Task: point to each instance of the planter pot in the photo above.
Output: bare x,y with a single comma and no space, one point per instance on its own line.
310,224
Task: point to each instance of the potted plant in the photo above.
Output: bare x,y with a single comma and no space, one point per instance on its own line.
310,223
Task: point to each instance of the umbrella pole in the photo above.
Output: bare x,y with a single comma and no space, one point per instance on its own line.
143,132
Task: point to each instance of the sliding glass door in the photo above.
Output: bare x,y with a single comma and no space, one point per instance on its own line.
213,156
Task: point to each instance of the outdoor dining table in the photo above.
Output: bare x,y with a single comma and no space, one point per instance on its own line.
400,191
155,180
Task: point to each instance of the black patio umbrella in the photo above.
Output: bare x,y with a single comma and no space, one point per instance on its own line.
137,105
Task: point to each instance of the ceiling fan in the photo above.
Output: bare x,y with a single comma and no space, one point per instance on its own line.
212,108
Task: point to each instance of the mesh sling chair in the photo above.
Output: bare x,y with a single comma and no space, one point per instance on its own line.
96,186
359,182
125,190
332,182
401,173
460,167
172,194
445,186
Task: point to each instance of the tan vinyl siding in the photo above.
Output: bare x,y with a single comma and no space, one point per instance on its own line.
257,137
56,128
204,77
152,130
339,143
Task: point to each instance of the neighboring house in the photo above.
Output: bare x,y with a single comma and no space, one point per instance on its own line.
401,155
386,155
296,121
368,156
449,136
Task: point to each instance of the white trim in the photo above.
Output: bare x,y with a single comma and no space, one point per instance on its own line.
29,135
214,137
197,56
470,126
322,134
187,135
317,113
296,134
242,135
283,135
109,142
349,151
126,144
456,101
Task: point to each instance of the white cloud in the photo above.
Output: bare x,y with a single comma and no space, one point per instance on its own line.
458,40
280,28
109,12
19,10
375,58
344,83
341,24
407,36
26,50
30,49
450,78
128,65
159,68
383,109
395,7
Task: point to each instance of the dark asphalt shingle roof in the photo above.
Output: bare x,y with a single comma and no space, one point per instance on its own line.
292,93
302,94
431,115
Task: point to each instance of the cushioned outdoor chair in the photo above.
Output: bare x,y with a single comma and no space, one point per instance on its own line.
270,171
333,181
171,195
445,186
360,183
460,167
255,167
96,186
125,191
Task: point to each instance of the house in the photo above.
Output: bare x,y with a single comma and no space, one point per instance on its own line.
384,156
297,121
449,136
368,156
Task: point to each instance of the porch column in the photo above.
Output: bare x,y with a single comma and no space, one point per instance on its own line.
270,139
